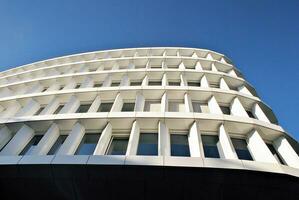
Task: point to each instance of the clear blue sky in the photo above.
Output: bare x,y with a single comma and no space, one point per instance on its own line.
261,37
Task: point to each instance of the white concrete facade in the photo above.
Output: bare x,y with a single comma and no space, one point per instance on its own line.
123,95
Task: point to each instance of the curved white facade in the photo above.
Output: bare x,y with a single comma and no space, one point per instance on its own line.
183,106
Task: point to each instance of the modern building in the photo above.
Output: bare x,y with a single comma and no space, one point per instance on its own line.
141,123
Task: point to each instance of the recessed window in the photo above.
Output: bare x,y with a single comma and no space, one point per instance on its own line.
250,114
225,110
39,110
98,85
31,145
156,66
210,146
152,106
172,66
148,144
189,67
241,149
135,83
194,83
118,146
57,145
154,83
200,107
83,108
115,84
93,69
45,89
174,83
58,109
88,144
77,86
176,106
214,85
275,154
105,107
122,67
179,145
128,107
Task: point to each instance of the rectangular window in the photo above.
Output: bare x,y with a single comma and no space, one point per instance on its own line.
174,83
179,145
210,146
250,114
241,149
115,84
135,83
275,154
105,107
98,85
77,86
88,144
152,106
194,83
39,110
154,83
45,89
172,66
83,108
225,110
31,145
200,107
128,107
214,85
156,66
56,146
58,109
148,144
176,106
189,67
93,69
118,146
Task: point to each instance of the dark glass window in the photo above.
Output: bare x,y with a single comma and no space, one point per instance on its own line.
98,85
174,83
194,84
39,110
128,107
118,146
56,146
83,108
31,145
196,107
210,146
225,110
156,66
148,144
275,154
58,109
241,149
135,83
77,86
214,85
105,107
88,144
115,84
154,83
179,145
250,114
189,67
